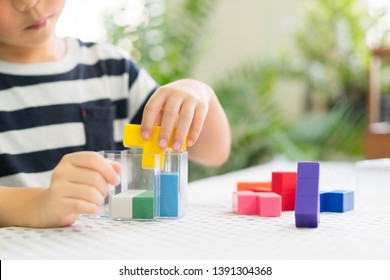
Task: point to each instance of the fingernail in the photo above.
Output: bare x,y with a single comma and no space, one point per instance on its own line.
145,134
162,143
117,180
190,143
176,146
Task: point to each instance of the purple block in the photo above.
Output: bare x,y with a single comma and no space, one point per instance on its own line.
307,211
306,220
307,187
308,170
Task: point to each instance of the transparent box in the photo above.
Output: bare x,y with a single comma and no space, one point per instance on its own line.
373,181
147,193
173,184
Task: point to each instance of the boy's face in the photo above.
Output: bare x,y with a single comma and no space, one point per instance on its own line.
28,23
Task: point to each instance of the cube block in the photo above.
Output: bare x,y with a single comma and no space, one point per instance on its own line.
269,204
245,202
143,206
338,201
308,170
284,184
169,194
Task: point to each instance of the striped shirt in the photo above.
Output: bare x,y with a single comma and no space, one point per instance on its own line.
78,103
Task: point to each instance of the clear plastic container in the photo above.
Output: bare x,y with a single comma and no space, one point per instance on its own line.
373,181
173,185
147,193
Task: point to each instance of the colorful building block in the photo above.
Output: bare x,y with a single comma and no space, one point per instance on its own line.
284,184
245,203
269,204
307,201
254,186
132,139
322,201
169,194
122,204
143,206
338,201
265,204
307,212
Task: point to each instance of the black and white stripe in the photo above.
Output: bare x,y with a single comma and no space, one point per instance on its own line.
79,103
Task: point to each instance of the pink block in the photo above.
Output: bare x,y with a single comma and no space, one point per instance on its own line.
269,204
245,202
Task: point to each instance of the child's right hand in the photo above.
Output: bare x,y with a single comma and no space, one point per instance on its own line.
79,184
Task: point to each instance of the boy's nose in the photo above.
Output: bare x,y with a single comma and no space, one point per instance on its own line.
24,5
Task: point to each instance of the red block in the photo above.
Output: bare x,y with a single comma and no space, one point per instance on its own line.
284,184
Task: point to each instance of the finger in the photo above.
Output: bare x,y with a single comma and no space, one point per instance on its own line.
96,162
151,113
171,112
196,125
84,192
184,123
117,167
77,206
89,177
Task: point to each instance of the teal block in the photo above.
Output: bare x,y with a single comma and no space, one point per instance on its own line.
169,206
169,184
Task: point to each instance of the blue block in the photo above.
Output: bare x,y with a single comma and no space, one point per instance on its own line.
322,201
308,170
169,184
169,206
307,187
339,201
307,211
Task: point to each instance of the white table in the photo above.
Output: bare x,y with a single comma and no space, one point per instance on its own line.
209,230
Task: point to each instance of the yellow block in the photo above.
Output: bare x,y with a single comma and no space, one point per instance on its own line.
132,139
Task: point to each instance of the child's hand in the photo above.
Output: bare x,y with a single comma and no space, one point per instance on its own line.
79,184
182,104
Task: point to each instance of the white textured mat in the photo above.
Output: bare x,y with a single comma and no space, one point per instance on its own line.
210,231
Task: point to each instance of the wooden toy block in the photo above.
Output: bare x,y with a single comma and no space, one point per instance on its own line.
254,186
269,204
122,204
245,203
307,201
338,201
284,184
132,139
169,194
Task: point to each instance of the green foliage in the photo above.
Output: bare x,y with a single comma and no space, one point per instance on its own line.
332,42
332,64
167,44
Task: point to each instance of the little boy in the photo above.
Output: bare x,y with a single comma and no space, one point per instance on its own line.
61,100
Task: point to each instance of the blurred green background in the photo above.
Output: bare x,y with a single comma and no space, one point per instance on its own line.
306,101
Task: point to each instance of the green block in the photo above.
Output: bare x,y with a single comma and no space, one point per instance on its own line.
143,206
